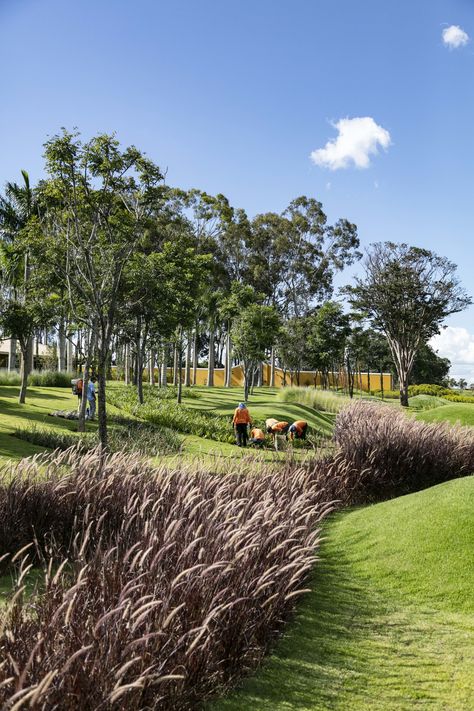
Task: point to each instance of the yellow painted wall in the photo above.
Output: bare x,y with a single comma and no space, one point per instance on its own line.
307,378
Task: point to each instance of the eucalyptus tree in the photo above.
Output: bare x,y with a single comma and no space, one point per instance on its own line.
328,330
406,293
253,333
104,197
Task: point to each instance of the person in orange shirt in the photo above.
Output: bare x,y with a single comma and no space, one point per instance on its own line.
274,427
240,421
257,437
298,430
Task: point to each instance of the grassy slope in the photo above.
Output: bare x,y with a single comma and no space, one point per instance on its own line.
456,413
41,401
390,622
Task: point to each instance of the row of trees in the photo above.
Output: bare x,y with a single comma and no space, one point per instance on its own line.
108,255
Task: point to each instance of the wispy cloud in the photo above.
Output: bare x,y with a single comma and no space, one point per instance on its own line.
358,139
454,37
457,344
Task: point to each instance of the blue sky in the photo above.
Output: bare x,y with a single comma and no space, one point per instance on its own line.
233,97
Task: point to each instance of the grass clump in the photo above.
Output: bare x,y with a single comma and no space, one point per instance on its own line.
164,413
384,453
9,377
178,579
324,400
125,434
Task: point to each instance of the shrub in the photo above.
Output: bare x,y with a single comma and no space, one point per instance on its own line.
50,378
124,434
388,454
165,413
324,400
9,377
457,397
178,581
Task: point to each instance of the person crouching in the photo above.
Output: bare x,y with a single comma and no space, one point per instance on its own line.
298,430
257,437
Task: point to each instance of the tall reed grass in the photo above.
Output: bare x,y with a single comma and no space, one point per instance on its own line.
386,453
38,378
324,400
160,587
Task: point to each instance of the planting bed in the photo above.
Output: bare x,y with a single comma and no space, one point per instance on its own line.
159,587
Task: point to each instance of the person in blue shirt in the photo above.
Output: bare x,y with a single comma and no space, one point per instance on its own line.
91,398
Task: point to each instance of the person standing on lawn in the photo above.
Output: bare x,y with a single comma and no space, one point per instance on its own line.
298,430
91,398
240,421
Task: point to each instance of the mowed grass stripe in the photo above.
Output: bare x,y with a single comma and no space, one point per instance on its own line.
390,622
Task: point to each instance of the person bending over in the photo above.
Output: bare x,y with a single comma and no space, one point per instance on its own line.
298,430
257,437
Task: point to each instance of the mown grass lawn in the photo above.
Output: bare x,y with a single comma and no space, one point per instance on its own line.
41,401
389,623
455,413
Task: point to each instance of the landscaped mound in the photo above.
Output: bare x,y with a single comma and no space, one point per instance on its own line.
159,587
383,453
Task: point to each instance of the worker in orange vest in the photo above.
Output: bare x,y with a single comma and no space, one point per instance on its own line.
240,421
298,430
257,437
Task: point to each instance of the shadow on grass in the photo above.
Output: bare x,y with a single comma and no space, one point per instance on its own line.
345,649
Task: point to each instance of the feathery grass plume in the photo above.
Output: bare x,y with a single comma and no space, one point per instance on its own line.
159,588
388,454
324,400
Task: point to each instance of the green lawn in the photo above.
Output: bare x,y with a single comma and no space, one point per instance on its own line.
222,401
456,413
389,624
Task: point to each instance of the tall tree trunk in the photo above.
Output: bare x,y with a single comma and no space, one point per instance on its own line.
404,390
179,349
210,368
195,356
25,367
61,346
12,354
228,359
164,364
175,365
151,367
368,379
101,403
272,368
126,363
187,368
89,345
381,380
139,347
70,354
260,375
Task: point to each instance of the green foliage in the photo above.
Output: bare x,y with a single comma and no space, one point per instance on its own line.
324,400
125,435
161,411
9,377
457,397
50,378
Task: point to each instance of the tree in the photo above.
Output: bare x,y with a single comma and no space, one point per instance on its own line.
19,208
406,293
429,367
103,198
253,333
328,332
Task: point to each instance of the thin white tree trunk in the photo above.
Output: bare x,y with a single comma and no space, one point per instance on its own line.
187,368
228,361
272,368
164,363
126,363
70,353
151,368
12,355
210,368
195,356
175,365
61,346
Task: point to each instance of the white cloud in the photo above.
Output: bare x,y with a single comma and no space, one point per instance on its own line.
328,186
457,344
357,140
454,37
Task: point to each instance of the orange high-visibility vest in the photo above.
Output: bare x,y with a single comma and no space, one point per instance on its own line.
241,416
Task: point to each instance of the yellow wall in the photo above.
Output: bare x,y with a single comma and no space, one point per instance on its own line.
307,378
